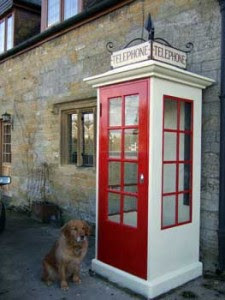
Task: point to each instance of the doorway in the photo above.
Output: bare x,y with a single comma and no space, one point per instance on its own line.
123,176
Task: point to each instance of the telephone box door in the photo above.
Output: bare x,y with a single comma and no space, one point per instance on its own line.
123,176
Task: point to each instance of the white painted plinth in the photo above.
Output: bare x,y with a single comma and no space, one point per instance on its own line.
149,289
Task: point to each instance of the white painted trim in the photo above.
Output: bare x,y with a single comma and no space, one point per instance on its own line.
149,68
97,170
148,289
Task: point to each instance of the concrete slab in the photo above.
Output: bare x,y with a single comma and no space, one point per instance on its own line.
25,242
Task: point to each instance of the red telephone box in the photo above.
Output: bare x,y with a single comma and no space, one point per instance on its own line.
148,176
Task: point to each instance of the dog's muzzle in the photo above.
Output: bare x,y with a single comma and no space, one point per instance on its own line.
81,238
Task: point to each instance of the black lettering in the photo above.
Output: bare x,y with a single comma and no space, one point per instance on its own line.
118,58
155,51
167,54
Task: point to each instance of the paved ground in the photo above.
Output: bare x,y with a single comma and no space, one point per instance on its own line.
25,242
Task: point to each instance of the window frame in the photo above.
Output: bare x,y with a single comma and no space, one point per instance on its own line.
5,20
61,13
64,135
178,161
4,124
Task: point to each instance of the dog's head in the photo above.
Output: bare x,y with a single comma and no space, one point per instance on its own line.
76,231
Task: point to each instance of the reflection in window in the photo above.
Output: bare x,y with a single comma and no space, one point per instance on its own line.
185,116
184,208
130,177
130,211
131,143
185,144
9,33
115,143
70,8
131,110
170,144
73,128
115,112
2,36
184,177
169,178
170,116
114,175
88,138
169,208
114,207
53,12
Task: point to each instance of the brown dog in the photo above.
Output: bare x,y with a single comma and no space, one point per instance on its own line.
64,259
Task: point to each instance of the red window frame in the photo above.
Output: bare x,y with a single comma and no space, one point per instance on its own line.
177,161
5,20
61,13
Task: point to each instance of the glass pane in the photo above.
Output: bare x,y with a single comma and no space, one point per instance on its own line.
70,8
7,129
131,110
185,144
170,144
169,210
130,177
130,211
184,177
53,11
115,112
88,139
8,148
114,207
170,114
73,136
114,143
184,208
114,175
9,33
131,143
169,178
7,138
2,36
185,115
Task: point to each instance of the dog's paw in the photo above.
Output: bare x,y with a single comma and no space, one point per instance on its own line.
48,282
64,286
76,279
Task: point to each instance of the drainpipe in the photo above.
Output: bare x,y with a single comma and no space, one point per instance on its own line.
221,230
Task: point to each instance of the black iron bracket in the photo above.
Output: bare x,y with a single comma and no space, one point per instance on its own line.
149,27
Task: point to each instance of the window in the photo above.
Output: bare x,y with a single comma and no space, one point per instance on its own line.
6,143
60,10
53,11
6,33
78,137
71,8
177,162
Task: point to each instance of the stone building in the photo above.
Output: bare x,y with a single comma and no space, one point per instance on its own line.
47,49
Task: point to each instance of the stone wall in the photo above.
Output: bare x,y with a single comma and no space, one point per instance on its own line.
30,84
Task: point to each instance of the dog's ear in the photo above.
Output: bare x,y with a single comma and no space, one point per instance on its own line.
66,229
87,228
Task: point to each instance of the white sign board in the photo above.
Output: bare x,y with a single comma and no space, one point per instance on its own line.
149,50
131,55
